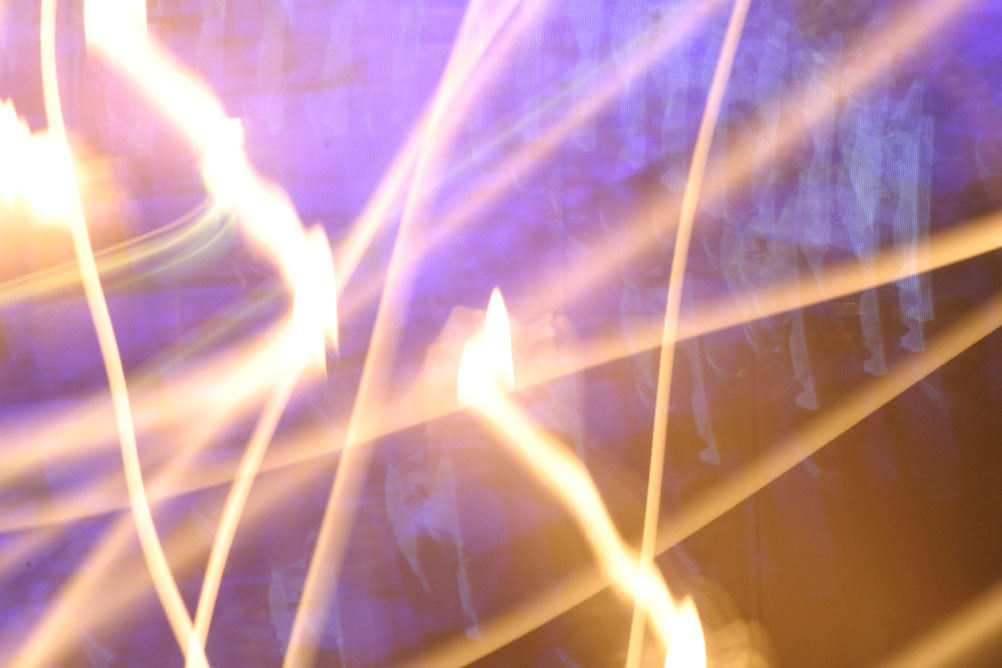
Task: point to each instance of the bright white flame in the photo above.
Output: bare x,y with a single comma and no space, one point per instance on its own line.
486,365
314,310
688,646
36,171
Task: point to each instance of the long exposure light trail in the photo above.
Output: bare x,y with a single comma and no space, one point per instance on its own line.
732,491
673,306
458,89
163,581
226,389
880,51
337,522
85,598
235,503
485,374
958,640
645,51
950,247
910,28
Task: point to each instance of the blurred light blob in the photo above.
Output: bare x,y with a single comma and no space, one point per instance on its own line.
688,646
314,310
36,170
486,365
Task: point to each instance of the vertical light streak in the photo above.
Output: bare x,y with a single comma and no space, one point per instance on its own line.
648,49
338,520
909,26
807,440
163,580
84,600
885,47
264,211
485,373
259,360
683,236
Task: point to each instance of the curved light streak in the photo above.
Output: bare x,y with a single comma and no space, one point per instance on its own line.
683,235
163,580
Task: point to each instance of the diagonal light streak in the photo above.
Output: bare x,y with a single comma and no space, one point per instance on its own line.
729,493
338,520
609,83
959,640
87,598
963,242
235,502
456,93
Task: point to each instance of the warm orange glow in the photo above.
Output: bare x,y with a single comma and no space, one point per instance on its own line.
253,380
36,172
484,376
486,365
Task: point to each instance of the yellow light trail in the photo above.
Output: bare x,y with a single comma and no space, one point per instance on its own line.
264,211
242,367
485,373
310,321
729,493
337,522
213,169
960,640
86,599
880,50
163,581
683,235
234,507
202,226
497,181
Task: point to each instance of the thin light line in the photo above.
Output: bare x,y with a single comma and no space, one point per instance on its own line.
683,236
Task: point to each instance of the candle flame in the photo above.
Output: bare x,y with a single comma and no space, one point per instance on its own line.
687,648
314,311
486,365
36,171
486,371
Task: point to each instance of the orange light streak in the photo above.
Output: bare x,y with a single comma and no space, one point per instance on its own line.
960,640
485,374
683,235
337,522
726,495
86,599
163,580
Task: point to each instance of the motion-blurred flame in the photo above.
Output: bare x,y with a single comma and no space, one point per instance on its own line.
486,365
688,646
315,306
485,373
36,171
